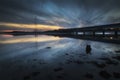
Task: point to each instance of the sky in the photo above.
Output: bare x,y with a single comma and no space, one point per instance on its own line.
56,14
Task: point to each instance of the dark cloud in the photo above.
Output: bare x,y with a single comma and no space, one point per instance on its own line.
65,13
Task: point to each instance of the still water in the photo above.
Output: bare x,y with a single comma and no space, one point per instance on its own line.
45,57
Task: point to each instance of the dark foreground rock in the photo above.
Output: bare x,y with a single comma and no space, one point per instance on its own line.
48,47
117,58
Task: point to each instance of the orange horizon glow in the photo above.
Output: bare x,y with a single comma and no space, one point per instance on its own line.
14,30
30,26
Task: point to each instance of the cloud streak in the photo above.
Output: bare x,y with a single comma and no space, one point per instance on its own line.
63,13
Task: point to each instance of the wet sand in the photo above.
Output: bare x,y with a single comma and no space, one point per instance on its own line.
57,59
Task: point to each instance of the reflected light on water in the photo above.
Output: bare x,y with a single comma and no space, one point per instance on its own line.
6,30
6,36
29,39
111,37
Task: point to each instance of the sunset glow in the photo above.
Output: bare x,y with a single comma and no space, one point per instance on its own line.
30,26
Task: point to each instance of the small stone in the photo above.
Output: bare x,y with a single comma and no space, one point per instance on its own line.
117,51
66,54
48,47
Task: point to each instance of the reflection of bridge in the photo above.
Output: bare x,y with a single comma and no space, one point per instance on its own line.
107,33
107,39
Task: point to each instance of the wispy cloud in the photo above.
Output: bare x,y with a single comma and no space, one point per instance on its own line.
62,13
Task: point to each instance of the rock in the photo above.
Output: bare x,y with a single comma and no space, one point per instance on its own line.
66,54
117,57
116,75
105,74
117,51
104,58
111,62
48,47
100,65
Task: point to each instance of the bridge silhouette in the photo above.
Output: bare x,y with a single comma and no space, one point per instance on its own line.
105,33
91,30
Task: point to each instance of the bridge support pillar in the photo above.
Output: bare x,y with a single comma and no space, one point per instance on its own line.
116,33
83,33
93,33
103,33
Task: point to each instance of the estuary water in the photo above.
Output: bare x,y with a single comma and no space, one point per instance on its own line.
45,57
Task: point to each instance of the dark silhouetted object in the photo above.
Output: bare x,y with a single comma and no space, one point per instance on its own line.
88,49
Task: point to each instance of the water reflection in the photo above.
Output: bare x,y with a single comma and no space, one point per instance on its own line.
44,53
99,38
53,47
10,39
6,36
